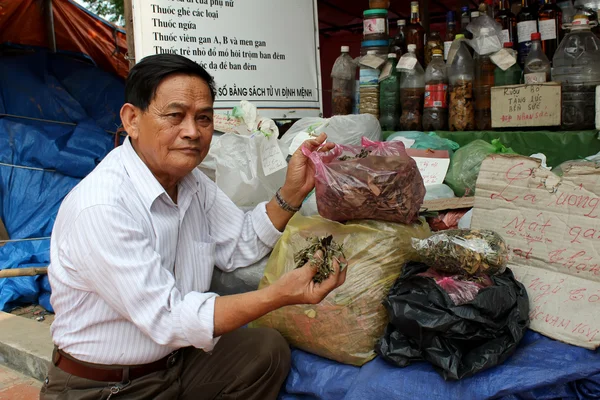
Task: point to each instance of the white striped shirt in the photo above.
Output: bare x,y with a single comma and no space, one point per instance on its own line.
130,269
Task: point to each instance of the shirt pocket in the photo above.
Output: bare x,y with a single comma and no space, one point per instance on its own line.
199,260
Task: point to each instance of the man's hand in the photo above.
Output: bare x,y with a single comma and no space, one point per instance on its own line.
300,179
297,286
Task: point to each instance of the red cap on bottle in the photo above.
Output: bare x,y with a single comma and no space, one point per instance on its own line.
536,36
508,45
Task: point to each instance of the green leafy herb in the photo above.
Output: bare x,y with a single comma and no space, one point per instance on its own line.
331,252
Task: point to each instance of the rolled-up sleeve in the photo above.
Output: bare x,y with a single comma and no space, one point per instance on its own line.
115,258
241,238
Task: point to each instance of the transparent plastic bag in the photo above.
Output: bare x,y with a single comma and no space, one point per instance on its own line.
340,129
489,40
466,163
424,141
346,325
377,180
437,192
464,252
461,291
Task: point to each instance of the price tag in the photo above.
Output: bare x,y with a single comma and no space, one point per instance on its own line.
272,158
535,77
372,61
504,59
407,63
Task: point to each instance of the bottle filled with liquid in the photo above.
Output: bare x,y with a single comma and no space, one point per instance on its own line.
461,116
343,77
415,33
450,32
434,41
482,87
510,76
526,25
576,65
412,90
399,42
389,95
435,112
550,19
508,21
369,88
537,65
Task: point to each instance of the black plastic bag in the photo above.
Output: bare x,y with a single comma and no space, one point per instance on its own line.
460,341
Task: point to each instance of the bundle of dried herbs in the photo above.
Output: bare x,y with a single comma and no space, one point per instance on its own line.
374,181
464,251
331,252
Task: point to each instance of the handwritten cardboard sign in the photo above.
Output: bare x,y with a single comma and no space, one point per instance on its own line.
226,123
433,164
526,105
552,227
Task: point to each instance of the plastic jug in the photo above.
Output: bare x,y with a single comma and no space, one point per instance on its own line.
577,67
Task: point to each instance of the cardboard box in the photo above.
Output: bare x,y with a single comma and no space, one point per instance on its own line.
518,106
552,227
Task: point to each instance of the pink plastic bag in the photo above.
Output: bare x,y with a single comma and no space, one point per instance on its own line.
377,180
461,291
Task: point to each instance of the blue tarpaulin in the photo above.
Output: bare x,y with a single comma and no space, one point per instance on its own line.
57,115
540,369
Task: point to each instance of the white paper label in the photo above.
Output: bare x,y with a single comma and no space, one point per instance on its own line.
407,142
433,170
372,61
505,36
535,77
386,72
299,140
525,29
548,29
504,59
407,63
447,46
272,158
374,26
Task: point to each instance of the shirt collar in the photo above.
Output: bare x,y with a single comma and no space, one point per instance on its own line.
146,183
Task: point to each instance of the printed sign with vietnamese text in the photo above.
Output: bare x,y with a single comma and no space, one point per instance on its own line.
552,227
526,105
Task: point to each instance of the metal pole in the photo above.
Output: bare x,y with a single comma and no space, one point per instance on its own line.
50,25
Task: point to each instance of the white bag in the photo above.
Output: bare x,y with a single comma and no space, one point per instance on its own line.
340,129
239,169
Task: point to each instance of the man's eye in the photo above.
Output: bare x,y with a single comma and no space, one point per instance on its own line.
175,115
204,118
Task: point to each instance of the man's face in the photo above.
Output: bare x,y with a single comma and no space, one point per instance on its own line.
173,136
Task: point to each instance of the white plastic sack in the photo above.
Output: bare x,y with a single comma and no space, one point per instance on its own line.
239,169
340,129
241,280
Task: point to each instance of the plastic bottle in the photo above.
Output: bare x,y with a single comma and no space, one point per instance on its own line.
482,88
369,89
389,96
577,67
435,111
537,65
412,90
512,76
461,115
399,42
434,41
343,75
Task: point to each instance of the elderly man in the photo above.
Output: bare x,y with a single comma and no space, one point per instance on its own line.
133,250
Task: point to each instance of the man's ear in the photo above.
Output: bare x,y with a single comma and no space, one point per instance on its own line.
130,120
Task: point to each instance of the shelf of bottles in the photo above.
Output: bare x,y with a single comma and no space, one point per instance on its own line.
444,81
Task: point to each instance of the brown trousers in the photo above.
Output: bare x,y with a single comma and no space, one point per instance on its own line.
247,364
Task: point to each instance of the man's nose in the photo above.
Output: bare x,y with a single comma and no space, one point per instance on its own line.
189,129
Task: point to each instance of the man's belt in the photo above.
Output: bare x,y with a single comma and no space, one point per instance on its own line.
107,373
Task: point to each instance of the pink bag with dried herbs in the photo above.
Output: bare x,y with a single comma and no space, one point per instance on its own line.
377,180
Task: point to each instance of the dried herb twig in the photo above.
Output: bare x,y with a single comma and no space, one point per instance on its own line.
331,252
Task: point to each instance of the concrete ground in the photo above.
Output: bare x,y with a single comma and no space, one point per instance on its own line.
16,386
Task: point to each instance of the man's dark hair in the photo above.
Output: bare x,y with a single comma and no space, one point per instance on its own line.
145,76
